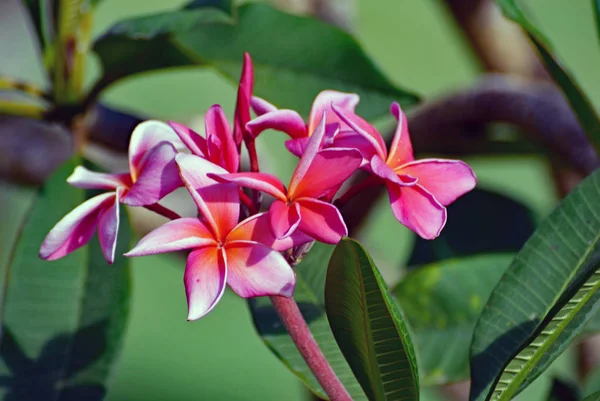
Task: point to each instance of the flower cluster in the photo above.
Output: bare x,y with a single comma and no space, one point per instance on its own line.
246,253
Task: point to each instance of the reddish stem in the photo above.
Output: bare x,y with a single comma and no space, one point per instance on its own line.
356,189
292,319
254,167
252,209
163,211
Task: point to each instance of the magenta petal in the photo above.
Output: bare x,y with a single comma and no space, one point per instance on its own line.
379,168
261,106
417,209
323,102
86,179
352,140
284,219
287,121
205,280
255,270
244,96
297,146
146,136
365,129
176,235
401,150
445,179
322,221
75,229
263,182
194,141
159,177
216,125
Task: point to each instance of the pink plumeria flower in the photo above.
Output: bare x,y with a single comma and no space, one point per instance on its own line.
290,122
299,206
153,175
245,255
419,190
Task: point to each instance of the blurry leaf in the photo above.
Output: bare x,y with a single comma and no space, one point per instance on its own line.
563,391
223,5
368,326
593,397
480,221
596,5
560,256
64,320
43,18
581,105
592,383
442,302
310,283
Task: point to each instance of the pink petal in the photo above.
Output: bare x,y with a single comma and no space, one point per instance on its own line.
322,221
417,209
205,280
328,171
192,140
345,101
263,182
258,229
445,179
244,96
284,219
176,235
108,228
352,140
218,203
144,137
216,125
255,270
366,130
87,179
401,149
158,178
287,121
261,106
379,168
297,146
75,229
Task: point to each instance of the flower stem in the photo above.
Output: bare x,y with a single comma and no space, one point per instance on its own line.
292,319
163,211
253,155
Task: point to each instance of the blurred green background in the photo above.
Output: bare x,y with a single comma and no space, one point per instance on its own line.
220,357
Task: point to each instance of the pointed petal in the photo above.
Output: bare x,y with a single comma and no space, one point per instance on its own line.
263,182
87,179
352,140
255,270
158,178
218,203
445,179
76,228
176,235
261,106
323,102
321,220
379,168
244,96
365,129
192,140
329,169
401,150
144,137
205,280
284,219
287,121
216,124
297,146
417,209
108,228
258,229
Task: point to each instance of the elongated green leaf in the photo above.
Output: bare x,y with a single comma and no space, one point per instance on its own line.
563,251
581,105
442,302
368,326
310,283
596,5
64,320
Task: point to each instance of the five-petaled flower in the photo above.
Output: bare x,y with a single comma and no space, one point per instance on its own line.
153,175
244,255
319,172
419,190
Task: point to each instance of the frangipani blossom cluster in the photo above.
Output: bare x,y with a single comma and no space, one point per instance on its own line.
231,242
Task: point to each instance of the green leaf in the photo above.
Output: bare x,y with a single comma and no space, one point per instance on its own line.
223,5
64,320
592,383
596,5
368,325
561,255
310,284
593,397
581,105
442,302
